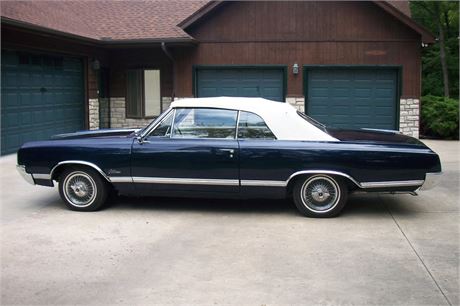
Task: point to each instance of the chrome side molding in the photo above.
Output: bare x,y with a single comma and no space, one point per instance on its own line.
430,181
363,185
41,176
324,172
186,181
120,179
391,184
263,183
195,181
79,162
259,183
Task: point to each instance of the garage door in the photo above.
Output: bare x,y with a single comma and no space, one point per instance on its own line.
241,82
353,98
41,96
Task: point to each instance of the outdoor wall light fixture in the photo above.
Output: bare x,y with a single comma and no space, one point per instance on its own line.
295,68
96,65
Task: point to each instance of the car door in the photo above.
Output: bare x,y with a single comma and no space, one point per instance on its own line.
193,150
261,158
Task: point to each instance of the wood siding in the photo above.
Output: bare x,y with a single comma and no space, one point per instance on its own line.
138,58
306,33
253,33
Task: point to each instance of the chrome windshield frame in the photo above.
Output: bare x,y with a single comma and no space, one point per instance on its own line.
155,123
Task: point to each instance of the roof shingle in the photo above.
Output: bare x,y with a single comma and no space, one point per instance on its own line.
106,19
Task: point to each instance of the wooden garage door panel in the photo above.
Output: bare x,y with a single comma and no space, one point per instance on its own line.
353,98
241,82
41,96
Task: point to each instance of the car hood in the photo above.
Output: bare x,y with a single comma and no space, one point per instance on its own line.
373,136
96,133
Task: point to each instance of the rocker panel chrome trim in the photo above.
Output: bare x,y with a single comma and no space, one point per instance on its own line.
41,176
186,181
195,181
121,179
258,183
363,185
387,184
262,183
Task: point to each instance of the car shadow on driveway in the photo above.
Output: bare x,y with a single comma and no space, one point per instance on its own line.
203,205
358,205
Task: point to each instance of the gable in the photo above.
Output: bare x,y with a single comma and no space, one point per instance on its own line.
300,21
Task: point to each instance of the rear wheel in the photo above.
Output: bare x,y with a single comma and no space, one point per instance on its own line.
82,189
320,196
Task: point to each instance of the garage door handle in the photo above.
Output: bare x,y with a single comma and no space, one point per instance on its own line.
43,89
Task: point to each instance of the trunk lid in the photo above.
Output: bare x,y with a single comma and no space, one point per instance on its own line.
373,136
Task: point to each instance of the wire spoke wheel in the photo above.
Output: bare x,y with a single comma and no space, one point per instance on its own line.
320,193
80,189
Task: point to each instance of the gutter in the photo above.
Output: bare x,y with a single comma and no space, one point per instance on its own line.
44,30
103,41
169,55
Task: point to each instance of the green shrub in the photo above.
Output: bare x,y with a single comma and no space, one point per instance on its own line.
439,117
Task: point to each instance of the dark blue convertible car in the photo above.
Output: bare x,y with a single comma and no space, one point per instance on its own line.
230,147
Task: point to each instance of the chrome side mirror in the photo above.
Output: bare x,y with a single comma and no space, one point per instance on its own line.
141,140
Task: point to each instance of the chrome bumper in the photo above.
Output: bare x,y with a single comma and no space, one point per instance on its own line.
431,180
27,176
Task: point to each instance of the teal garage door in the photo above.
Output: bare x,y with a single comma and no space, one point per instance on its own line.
241,82
41,96
353,97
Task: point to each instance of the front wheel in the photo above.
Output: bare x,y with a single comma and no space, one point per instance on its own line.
320,196
82,189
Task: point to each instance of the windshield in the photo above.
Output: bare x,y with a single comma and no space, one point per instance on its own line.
310,120
154,122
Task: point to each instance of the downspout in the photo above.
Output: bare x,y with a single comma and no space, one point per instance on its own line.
169,55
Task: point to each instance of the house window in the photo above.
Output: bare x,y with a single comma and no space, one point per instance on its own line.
143,98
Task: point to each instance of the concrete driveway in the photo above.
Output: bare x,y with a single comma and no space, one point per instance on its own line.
383,249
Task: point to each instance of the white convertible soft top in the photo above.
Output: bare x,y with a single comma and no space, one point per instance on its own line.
281,118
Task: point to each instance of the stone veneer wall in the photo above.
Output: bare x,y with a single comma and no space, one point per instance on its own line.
297,102
93,114
409,115
118,114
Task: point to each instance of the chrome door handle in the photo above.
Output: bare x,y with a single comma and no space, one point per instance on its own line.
230,152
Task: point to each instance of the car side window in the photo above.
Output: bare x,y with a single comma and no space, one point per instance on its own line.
252,126
164,128
204,123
